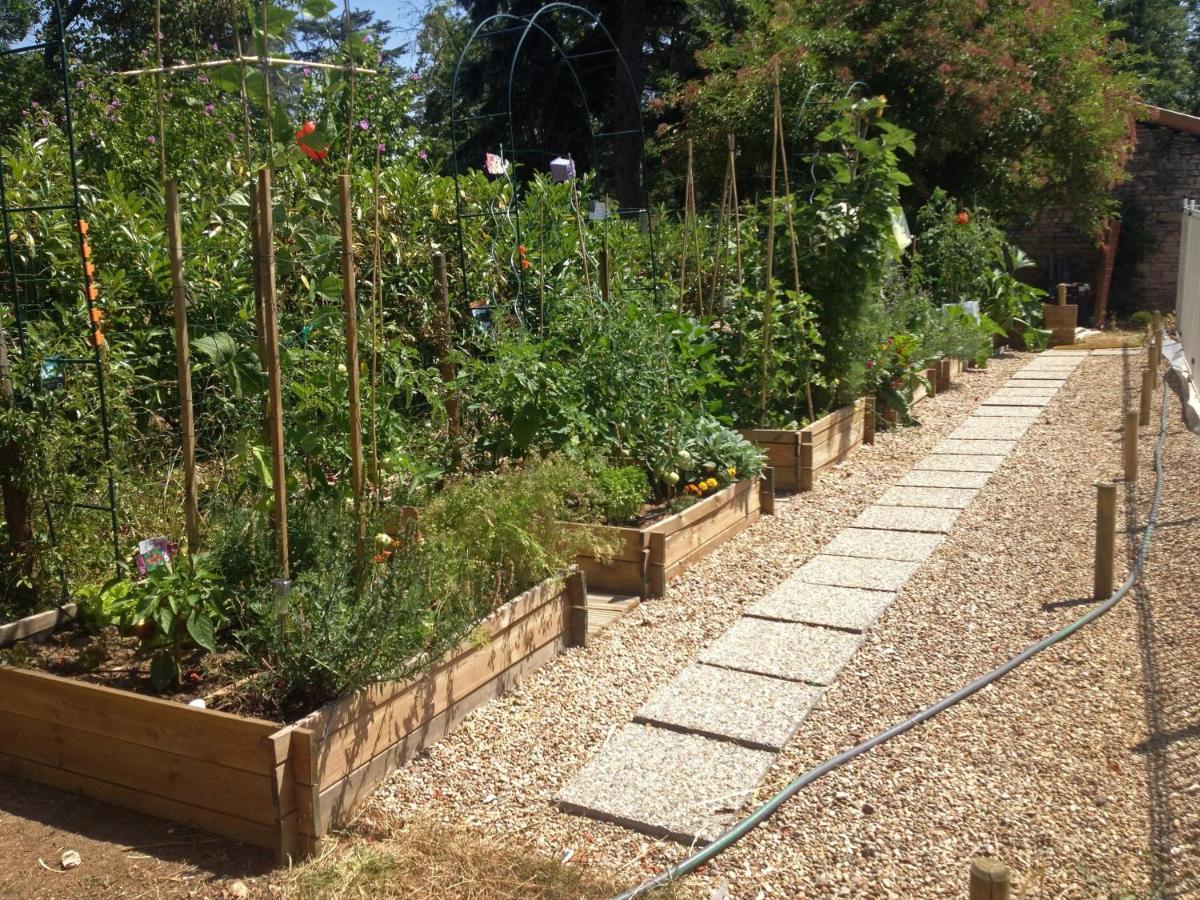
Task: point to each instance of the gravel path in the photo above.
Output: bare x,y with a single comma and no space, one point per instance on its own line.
1052,769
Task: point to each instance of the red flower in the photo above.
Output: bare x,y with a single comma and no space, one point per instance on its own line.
963,217
521,253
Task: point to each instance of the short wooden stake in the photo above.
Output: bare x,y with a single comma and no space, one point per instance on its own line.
350,323
577,610
1106,539
266,246
1147,397
1130,446
187,423
445,342
990,879
868,420
1062,294
766,492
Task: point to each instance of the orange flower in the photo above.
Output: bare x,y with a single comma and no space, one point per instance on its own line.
305,130
521,253
963,217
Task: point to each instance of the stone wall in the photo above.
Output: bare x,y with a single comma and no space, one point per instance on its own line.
1164,170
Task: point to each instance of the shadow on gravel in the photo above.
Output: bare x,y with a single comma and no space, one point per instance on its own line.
1168,613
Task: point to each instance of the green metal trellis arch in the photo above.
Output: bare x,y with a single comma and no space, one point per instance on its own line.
507,24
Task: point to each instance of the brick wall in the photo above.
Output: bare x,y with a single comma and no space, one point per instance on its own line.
1164,170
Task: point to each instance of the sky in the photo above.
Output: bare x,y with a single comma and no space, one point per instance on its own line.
404,14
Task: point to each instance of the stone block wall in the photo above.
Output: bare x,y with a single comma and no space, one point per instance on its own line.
1164,171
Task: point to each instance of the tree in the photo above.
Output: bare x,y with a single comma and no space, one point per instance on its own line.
1164,39
656,40
1013,104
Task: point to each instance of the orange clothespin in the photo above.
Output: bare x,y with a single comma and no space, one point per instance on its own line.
87,250
97,315
83,227
89,269
92,293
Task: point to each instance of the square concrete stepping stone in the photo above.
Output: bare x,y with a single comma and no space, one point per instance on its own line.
934,478
1053,370
1055,377
663,783
1011,398
987,448
853,571
960,462
907,518
990,430
1029,384
1022,388
1029,414
873,543
783,650
756,711
853,609
940,497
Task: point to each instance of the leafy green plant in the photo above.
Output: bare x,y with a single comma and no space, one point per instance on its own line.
620,491
176,606
478,543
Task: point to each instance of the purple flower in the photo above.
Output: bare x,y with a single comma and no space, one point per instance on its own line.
214,46
363,124
421,154
414,76
208,109
151,139
379,148
114,103
35,104
231,136
202,78
79,85
306,72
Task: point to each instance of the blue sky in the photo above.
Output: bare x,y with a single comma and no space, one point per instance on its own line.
404,14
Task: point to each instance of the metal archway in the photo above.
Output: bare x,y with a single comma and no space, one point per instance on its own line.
506,212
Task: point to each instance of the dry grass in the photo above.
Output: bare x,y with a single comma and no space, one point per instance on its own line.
430,860
1107,340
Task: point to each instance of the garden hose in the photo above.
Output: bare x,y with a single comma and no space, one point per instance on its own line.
764,812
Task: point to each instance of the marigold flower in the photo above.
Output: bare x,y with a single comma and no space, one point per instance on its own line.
963,217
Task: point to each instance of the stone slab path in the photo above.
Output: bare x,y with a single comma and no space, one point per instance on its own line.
694,752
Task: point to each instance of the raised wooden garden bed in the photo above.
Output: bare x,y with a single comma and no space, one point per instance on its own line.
949,371
38,623
798,456
647,558
279,787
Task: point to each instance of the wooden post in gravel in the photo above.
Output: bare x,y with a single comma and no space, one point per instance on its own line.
1130,446
869,420
990,879
1106,539
1155,344
1147,397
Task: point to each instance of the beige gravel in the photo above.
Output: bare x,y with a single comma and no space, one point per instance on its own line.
1054,769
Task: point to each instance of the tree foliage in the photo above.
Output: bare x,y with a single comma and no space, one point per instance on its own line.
1013,104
